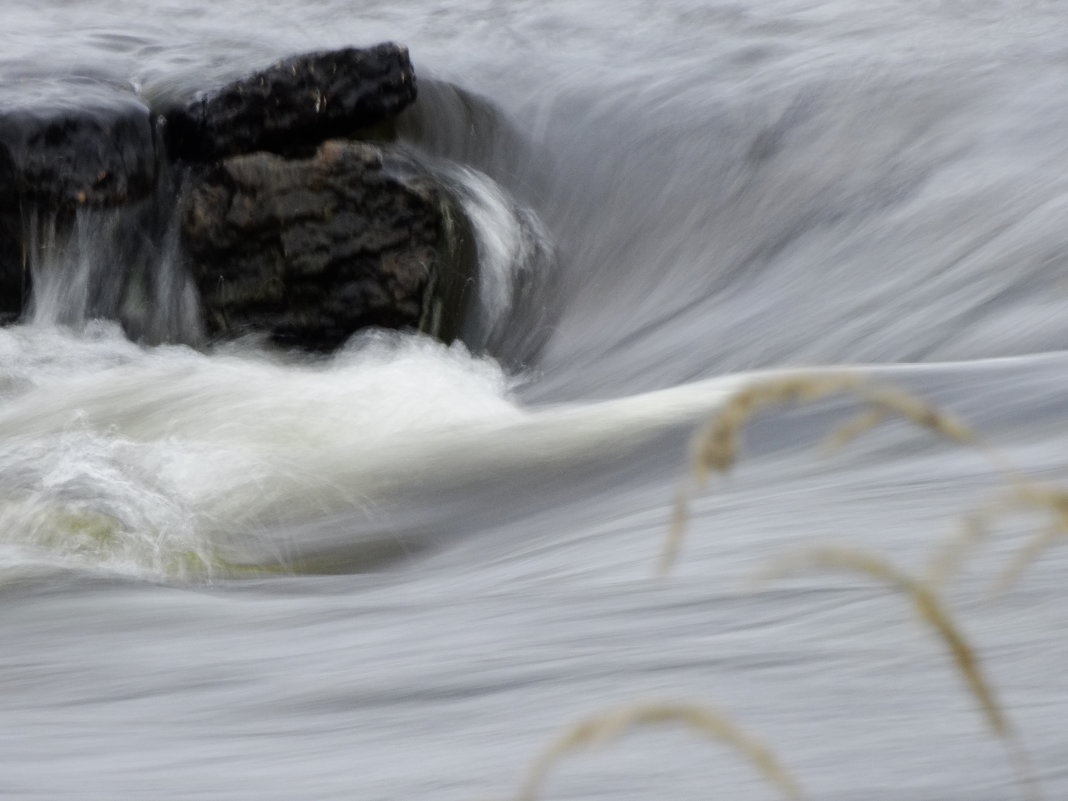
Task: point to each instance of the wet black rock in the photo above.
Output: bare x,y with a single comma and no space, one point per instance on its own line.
288,226
295,104
66,144
14,287
312,249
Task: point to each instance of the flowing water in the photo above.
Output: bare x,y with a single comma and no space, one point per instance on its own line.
397,573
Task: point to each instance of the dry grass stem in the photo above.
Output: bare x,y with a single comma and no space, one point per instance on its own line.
832,557
604,728
717,443
893,401
1025,497
679,517
851,430
715,447
935,614
1037,497
930,609
1027,556
925,601
948,559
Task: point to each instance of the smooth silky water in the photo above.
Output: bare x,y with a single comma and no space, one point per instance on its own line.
399,571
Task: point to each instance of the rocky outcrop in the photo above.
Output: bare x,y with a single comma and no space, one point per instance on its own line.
311,250
92,144
295,104
64,144
288,225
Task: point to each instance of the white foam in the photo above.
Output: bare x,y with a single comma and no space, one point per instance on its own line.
514,252
155,455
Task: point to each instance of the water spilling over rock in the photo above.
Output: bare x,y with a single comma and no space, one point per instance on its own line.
313,249
282,231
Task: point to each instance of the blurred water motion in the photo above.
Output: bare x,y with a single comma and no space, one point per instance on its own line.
400,571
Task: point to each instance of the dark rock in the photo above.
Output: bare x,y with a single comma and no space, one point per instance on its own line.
65,143
295,104
312,249
93,145
14,281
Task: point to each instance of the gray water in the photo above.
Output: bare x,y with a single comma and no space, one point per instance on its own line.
398,573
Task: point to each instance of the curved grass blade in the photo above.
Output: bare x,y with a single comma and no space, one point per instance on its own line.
717,442
606,727
930,609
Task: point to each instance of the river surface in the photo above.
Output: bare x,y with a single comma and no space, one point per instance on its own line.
398,573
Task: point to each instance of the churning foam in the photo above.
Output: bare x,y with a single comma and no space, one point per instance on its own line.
157,461
132,458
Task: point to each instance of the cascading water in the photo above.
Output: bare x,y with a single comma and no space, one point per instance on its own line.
121,264
232,571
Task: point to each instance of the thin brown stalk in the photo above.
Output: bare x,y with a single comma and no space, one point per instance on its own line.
1025,496
852,429
947,561
606,727
680,514
924,415
1027,556
934,613
717,443
930,609
925,601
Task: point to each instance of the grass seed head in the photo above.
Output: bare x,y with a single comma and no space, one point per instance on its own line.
909,407
716,445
